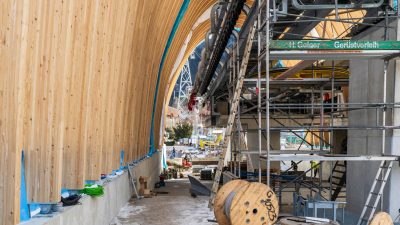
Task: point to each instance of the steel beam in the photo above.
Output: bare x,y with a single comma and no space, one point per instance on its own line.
305,28
274,152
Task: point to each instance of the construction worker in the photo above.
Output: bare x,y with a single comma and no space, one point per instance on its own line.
294,165
314,167
173,153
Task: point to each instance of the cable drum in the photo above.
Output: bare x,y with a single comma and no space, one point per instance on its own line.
228,204
242,203
381,218
222,195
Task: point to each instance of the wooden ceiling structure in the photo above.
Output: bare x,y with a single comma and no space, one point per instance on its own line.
195,31
77,83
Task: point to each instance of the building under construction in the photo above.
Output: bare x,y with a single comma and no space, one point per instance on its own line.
199,112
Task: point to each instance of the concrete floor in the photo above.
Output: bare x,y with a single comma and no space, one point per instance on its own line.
176,207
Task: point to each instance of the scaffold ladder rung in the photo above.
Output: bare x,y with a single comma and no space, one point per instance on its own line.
378,184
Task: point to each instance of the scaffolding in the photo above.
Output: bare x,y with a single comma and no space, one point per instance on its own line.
185,86
314,118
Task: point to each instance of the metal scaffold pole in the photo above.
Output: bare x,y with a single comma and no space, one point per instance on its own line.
259,89
238,143
267,106
385,68
332,124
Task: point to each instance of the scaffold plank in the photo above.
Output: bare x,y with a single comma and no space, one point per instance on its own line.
334,45
326,157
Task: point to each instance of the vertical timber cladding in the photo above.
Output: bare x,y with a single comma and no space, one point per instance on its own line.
76,87
148,79
9,103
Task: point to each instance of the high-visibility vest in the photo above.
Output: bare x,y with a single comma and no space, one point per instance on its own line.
314,164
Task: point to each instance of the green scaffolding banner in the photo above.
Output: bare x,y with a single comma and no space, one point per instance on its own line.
333,45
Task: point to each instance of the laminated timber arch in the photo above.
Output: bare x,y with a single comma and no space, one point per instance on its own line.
195,30
77,80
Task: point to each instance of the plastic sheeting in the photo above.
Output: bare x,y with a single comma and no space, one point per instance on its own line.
164,157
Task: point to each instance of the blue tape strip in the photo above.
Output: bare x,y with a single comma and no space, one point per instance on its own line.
178,20
24,208
121,161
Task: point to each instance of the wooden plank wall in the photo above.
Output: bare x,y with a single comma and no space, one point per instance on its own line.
77,82
10,101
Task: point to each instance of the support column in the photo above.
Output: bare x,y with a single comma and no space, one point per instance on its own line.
252,143
366,86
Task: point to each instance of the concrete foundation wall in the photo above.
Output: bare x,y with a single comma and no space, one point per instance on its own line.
101,210
252,142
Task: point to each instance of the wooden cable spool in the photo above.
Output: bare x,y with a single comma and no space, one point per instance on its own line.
381,218
242,203
221,196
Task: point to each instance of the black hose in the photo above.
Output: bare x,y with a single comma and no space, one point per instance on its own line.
222,41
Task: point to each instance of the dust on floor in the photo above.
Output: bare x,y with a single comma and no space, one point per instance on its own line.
175,208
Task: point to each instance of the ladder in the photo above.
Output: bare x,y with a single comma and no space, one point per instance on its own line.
232,115
376,192
133,181
338,179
